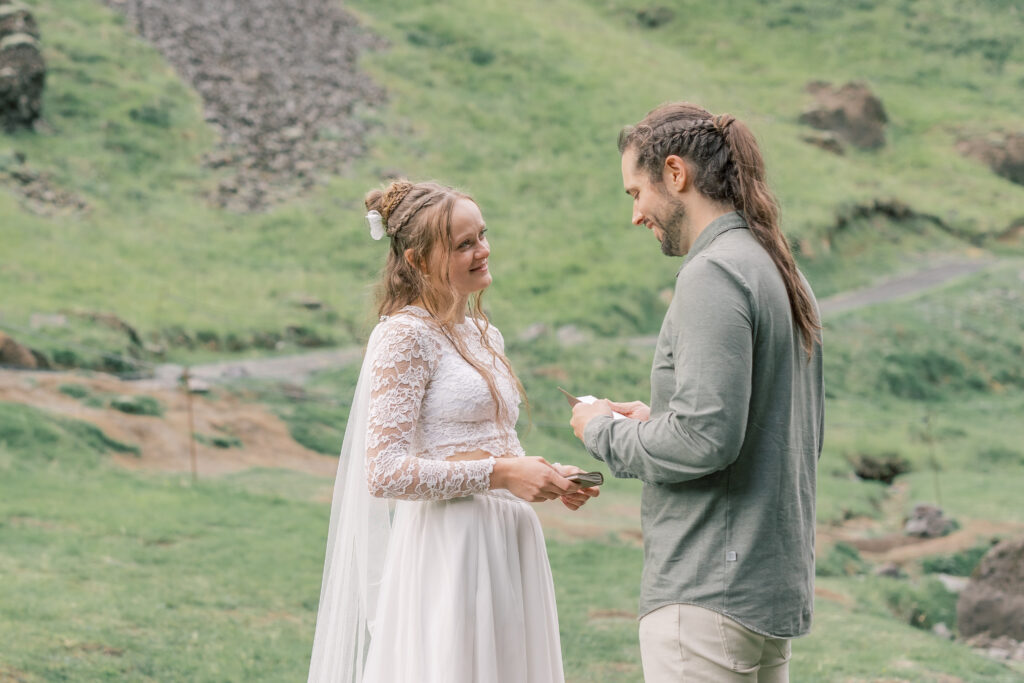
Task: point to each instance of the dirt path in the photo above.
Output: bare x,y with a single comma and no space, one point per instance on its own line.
293,369
902,286
887,290
164,441
296,369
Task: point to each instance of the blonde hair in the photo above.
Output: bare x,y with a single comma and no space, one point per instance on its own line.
418,217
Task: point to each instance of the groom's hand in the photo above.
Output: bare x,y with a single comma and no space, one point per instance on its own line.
634,410
582,413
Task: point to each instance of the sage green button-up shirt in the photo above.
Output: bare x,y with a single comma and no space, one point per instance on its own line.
729,456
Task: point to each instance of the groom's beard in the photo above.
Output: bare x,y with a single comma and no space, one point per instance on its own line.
672,226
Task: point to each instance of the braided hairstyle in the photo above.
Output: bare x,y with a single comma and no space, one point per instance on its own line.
728,169
418,216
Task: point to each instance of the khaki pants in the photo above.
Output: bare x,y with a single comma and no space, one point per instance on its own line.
691,644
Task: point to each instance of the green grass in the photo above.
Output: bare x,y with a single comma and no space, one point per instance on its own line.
110,575
519,104
863,642
115,576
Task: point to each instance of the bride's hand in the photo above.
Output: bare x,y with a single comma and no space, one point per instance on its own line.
575,500
531,478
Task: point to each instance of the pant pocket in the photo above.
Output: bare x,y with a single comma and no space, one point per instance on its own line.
743,647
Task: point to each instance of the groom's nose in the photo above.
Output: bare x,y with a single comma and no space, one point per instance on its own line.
638,217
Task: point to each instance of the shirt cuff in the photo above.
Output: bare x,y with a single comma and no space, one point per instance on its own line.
591,435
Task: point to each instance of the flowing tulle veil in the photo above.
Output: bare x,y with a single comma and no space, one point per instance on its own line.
356,545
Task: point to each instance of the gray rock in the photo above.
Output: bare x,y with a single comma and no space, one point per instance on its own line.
198,386
852,113
22,69
954,584
928,521
942,631
889,569
993,601
14,355
1003,153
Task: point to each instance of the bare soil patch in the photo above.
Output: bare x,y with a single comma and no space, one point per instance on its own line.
164,441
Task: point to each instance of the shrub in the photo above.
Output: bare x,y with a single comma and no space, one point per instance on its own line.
218,440
922,376
842,560
883,467
1000,457
958,564
922,606
78,391
137,405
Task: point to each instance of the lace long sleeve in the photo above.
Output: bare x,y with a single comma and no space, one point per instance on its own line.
405,361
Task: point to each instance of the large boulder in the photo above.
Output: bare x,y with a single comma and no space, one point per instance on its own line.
14,355
16,18
852,113
1003,153
993,601
22,69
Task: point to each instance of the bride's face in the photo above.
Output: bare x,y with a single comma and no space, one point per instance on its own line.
467,262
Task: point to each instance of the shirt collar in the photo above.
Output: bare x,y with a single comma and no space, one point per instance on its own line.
723,223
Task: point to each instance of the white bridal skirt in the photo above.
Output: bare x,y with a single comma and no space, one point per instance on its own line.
466,596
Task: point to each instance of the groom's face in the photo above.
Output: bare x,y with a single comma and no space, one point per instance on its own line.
654,206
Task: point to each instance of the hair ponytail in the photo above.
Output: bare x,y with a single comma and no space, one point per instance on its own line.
729,169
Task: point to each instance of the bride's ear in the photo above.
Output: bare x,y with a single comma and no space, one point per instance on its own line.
410,258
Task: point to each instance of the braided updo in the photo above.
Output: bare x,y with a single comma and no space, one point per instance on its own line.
418,220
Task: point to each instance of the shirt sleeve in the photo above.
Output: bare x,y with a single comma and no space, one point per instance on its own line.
406,358
701,432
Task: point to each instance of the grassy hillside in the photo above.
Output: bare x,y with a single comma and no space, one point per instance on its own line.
118,576
519,104
115,575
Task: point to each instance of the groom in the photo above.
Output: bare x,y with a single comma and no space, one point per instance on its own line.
728,449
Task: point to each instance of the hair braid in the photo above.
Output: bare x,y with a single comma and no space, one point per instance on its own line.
729,169
418,219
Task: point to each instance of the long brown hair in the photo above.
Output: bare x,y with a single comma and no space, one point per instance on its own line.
418,216
728,169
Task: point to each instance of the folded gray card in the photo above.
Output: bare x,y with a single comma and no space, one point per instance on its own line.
587,479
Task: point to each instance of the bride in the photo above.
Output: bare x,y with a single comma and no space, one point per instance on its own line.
436,569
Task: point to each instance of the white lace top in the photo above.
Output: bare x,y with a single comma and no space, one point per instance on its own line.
427,404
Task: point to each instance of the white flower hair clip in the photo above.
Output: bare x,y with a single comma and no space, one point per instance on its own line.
376,223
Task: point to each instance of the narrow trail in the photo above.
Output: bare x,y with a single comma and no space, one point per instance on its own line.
293,369
297,368
902,286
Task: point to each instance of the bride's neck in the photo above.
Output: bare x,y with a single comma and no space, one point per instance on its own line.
458,317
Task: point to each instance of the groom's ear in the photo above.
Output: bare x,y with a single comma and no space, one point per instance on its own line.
676,173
